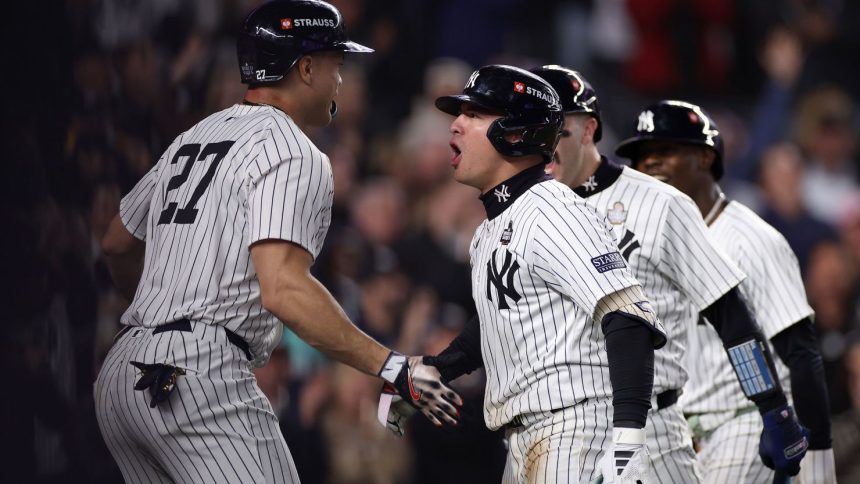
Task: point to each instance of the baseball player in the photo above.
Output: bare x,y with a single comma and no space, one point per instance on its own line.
677,142
213,247
562,324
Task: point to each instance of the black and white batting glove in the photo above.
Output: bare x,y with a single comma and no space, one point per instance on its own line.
421,386
626,461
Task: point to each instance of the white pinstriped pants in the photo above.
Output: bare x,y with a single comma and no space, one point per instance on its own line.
565,446
730,452
217,426
670,446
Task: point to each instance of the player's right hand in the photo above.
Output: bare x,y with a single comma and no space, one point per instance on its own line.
783,441
394,411
421,385
626,461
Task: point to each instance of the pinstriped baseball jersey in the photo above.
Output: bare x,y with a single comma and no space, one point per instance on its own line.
241,175
661,234
540,264
774,292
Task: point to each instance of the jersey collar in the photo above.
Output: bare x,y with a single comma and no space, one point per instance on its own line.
605,175
500,197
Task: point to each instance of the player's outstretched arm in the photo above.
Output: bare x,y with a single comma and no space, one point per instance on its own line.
784,441
797,347
124,257
296,297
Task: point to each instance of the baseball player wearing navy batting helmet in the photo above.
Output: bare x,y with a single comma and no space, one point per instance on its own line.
677,142
213,247
563,330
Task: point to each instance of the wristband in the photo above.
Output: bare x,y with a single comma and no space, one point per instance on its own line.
392,366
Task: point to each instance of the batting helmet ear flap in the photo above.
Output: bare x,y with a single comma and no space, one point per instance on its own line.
539,134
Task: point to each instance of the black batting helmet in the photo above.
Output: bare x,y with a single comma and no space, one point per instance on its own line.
277,33
528,105
677,121
575,92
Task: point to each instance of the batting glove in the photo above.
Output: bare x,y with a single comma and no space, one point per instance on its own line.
626,461
818,467
421,386
393,411
783,441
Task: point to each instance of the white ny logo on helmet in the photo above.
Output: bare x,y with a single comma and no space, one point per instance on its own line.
471,81
646,121
502,194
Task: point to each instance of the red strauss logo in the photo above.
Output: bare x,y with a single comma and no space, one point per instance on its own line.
286,23
519,87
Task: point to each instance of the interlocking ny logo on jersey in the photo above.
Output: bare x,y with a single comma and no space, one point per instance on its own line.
628,244
495,277
502,194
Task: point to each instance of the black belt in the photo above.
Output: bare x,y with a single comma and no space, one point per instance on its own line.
667,399
184,325
517,421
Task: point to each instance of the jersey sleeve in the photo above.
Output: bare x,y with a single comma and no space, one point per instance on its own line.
688,255
573,251
134,206
289,195
774,288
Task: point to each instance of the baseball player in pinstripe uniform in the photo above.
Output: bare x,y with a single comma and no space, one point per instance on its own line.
662,237
213,248
678,143
567,336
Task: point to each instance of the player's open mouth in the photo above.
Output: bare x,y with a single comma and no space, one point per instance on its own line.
455,157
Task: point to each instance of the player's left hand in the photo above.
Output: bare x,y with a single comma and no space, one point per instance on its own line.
421,386
817,467
783,441
626,461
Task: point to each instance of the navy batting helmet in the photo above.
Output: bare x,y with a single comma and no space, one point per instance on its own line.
527,103
276,34
575,92
676,121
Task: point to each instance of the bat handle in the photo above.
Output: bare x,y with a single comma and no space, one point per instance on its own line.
780,477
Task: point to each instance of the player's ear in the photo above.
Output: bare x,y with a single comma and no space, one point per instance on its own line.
304,67
707,159
589,127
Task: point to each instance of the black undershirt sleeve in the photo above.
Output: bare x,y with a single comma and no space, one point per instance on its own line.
797,346
463,355
734,323
630,349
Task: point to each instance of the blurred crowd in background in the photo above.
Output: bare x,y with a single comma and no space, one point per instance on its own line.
95,90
